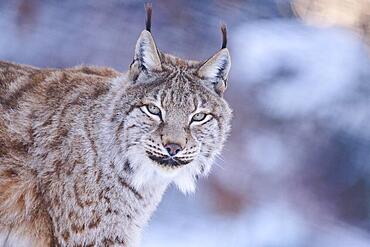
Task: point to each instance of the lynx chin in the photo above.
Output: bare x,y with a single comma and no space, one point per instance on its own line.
86,153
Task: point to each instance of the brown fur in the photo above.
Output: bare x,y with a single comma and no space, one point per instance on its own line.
28,94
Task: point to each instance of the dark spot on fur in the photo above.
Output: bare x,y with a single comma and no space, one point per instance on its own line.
107,199
58,165
48,121
119,241
77,195
119,130
10,173
19,147
108,241
89,202
127,167
78,229
65,235
130,188
71,215
100,196
94,223
109,211
111,165
85,172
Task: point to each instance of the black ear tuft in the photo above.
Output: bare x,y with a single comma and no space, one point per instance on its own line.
224,35
148,20
146,56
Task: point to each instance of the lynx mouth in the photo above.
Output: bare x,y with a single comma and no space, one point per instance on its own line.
168,161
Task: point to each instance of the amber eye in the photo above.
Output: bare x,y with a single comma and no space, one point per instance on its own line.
153,109
199,117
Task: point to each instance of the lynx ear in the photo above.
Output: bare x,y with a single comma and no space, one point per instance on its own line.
146,54
216,69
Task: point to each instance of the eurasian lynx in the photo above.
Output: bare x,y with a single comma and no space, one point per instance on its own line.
86,153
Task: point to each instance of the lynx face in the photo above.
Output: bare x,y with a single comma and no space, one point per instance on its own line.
179,125
178,119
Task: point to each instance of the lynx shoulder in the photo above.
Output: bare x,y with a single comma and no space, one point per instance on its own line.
86,153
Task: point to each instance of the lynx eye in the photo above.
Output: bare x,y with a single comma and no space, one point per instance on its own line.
153,109
198,117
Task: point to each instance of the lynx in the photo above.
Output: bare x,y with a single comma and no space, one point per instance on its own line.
86,153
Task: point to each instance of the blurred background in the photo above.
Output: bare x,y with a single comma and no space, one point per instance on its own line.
295,171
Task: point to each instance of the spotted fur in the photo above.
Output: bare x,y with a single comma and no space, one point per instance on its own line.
83,162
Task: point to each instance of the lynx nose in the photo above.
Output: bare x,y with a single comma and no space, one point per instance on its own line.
172,148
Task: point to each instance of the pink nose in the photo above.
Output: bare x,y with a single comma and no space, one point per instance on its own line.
172,148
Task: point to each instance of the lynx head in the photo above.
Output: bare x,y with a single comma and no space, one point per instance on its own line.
176,119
